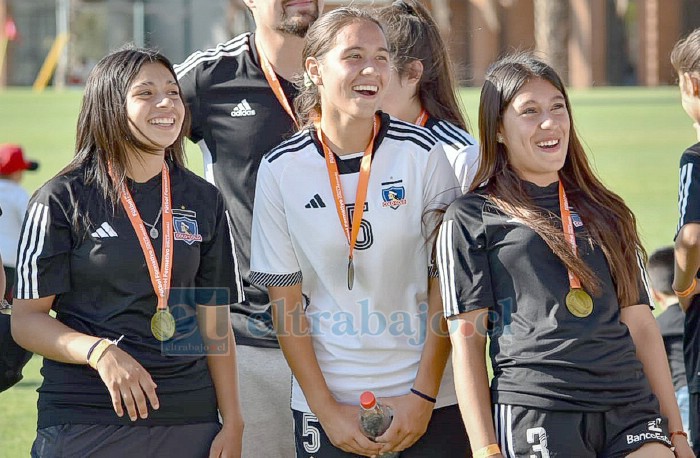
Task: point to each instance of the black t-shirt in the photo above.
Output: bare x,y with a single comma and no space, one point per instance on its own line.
671,326
236,119
542,355
689,206
73,245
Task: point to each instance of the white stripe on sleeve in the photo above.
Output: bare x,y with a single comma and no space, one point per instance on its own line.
683,192
31,246
239,281
445,260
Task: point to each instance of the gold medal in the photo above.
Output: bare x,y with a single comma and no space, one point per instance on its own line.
579,303
351,273
163,325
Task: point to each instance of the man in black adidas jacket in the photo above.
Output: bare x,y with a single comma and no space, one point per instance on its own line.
237,117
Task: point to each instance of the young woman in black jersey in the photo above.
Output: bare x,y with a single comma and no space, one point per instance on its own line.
125,245
422,88
547,262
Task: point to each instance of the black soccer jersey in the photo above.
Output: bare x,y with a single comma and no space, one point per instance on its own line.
236,119
689,187
542,355
689,208
94,265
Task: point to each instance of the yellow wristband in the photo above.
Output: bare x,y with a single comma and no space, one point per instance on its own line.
689,290
492,449
98,351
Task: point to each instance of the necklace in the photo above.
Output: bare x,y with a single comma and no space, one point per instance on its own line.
153,232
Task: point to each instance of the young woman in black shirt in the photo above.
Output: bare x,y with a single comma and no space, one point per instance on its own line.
546,261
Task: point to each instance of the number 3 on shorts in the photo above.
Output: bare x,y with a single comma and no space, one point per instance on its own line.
309,430
538,438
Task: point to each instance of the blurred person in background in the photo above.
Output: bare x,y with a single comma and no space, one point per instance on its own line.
13,202
671,323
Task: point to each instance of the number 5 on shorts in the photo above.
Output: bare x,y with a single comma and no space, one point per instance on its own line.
312,443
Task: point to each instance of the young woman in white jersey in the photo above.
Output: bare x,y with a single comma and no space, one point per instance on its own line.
422,89
354,303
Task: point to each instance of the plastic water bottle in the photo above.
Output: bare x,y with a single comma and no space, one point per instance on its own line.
375,419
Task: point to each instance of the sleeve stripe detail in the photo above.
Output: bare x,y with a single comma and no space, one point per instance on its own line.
645,277
449,135
31,246
296,143
402,129
278,280
231,48
240,292
445,261
425,146
683,192
458,132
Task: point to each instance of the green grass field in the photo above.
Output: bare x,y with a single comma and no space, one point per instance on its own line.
634,136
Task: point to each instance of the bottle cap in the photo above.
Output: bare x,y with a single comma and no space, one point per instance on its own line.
367,400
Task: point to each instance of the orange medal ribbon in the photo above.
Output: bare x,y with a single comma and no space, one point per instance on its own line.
422,118
164,328
274,83
578,301
360,196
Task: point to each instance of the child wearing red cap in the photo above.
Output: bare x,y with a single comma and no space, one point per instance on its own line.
13,201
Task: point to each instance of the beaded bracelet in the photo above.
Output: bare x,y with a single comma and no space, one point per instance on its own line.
679,433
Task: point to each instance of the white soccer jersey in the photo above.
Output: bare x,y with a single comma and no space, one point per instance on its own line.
461,149
370,337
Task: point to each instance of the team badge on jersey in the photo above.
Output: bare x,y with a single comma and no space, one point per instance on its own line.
576,220
393,195
185,226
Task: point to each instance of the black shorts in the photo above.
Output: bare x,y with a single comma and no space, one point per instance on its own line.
444,438
117,441
527,431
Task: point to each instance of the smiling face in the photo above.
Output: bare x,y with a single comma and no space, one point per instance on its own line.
291,17
535,132
352,75
154,107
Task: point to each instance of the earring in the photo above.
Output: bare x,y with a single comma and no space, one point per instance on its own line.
499,138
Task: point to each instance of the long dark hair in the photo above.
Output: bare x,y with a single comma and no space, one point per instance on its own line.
413,35
320,39
103,133
609,222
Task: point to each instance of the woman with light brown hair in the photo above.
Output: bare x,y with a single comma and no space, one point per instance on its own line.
422,89
547,262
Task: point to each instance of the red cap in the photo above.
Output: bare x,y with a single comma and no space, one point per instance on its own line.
12,160
367,400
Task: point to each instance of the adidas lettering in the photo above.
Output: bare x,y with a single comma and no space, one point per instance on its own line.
242,109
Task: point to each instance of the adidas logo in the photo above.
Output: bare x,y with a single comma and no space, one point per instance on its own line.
316,202
105,231
242,109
